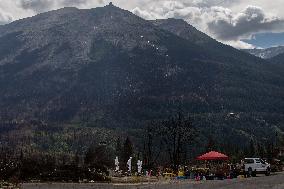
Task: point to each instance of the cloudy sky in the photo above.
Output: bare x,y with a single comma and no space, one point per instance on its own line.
240,23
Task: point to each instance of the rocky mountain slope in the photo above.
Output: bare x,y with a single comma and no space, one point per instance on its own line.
110,68
278,59
266,53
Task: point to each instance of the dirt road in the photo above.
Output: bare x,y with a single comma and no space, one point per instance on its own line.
261,182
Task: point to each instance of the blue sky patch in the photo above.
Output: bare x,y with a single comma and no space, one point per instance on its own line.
266,40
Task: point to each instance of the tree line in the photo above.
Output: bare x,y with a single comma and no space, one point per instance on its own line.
168,143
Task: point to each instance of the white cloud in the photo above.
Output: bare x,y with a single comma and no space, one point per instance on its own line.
239,44
242,25
4,18
11,10
145,14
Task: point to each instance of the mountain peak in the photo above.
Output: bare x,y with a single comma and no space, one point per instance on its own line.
112,6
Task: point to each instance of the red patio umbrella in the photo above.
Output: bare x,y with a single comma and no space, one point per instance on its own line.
213,156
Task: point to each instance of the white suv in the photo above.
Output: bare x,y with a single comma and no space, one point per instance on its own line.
252,166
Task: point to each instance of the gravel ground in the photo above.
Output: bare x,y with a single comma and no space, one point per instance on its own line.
261,182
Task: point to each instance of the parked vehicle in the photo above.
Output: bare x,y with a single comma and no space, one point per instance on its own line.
253,166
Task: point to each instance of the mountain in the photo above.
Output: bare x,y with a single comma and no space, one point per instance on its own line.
266,53
106,67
